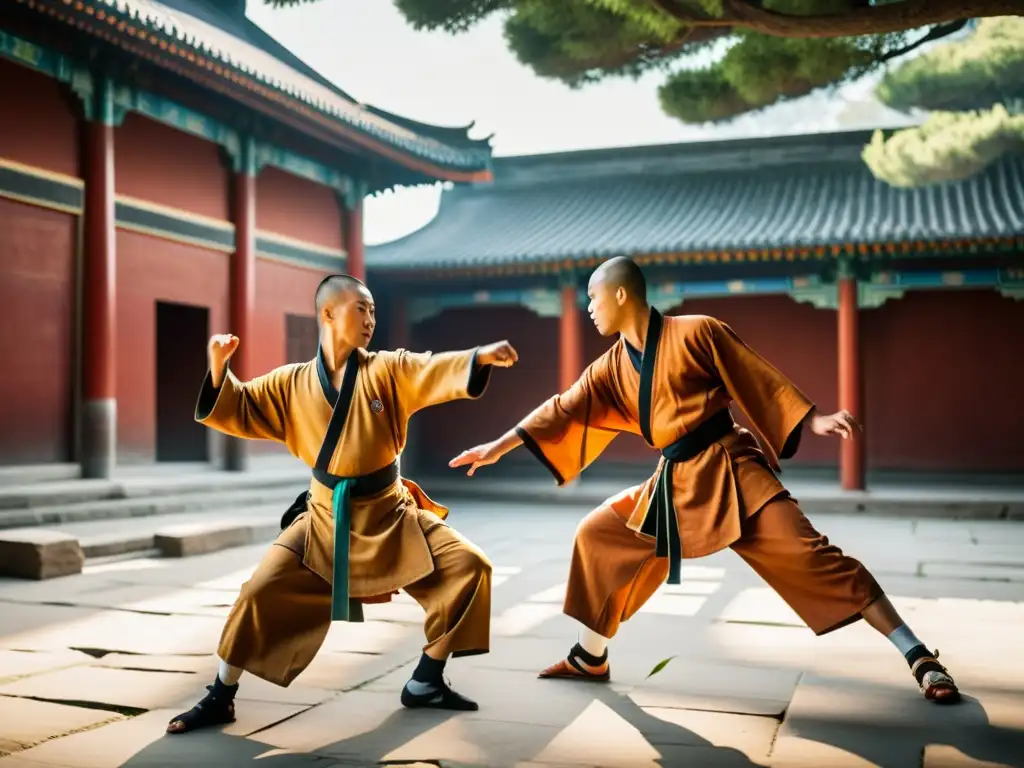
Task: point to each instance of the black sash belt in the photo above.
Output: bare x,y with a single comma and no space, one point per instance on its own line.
661,521
362,487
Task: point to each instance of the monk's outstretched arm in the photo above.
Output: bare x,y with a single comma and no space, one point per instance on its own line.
253,410
567,432
423,379
774,404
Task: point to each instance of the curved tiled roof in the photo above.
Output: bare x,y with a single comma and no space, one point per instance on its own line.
244,47
777,193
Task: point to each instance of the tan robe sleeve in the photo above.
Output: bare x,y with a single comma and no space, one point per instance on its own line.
569,431
254,410
771,401
423,379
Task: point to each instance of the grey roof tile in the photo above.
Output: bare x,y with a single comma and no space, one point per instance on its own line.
243,45
787,192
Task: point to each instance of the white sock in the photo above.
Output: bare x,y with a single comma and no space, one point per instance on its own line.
592,642
227,674
904,639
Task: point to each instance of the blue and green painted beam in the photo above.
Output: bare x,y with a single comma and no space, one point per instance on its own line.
811,289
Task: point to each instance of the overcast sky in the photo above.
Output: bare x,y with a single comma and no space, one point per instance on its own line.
366,48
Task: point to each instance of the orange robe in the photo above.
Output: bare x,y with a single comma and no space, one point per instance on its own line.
398,538
709,496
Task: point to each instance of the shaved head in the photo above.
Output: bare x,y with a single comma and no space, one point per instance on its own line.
623,272
333,287
345,312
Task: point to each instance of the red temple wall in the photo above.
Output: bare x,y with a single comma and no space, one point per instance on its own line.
297,208
151,270
450,428
956,407
281,289
40,125
37,292
37,289
159,164
943,382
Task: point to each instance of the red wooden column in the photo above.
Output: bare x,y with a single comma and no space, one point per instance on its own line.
570,338
243,284
99,291
353,233
851,380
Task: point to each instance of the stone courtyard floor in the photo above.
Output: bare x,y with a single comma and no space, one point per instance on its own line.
93,666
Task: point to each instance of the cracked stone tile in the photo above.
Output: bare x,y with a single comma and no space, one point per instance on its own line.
354,721
25,722
760,605
252,716
111,746
252,688
201,665
464,740
122,631
159,600
337,670
752,736
113,687
367,637
15,664
24,621
705,685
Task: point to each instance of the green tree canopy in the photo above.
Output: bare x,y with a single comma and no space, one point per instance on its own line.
764,51
974,88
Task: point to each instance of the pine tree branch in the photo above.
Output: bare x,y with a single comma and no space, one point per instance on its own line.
861,20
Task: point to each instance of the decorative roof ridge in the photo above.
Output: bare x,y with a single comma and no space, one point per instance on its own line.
713,156
331,101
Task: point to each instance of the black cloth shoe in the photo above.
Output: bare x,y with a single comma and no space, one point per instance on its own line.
216,708
437,696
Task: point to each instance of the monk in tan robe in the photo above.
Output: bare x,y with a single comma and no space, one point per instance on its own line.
365,532
671,380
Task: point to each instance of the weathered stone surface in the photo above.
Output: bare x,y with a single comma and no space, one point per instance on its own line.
37,553
112,687
25,723
15,664
203,538
944,756
685,684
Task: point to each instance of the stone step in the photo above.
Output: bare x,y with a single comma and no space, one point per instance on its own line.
145,506
113,545
42,553
67,492
190,539
30,474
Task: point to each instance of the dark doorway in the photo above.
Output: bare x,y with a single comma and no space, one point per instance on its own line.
181,336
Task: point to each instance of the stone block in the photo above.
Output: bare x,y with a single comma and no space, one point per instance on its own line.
202,538
37,553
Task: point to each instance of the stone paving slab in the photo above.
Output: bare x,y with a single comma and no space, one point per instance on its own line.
17,664
108,686
855,703
116,631
25,723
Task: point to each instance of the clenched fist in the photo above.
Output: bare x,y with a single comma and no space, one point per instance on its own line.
500,354
218,351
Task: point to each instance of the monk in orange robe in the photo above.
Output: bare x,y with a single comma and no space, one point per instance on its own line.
362,532
671,380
